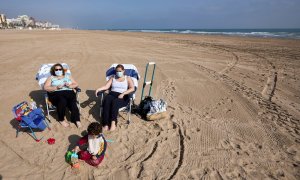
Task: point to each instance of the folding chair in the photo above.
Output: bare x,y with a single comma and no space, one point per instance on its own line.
130,70
41,77
30,119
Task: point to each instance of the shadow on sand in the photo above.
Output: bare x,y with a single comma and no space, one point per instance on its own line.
39,97
15,123
93,103
73,139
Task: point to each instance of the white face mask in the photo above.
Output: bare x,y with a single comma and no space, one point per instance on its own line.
59,73
119,74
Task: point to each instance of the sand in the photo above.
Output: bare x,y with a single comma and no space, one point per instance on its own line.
234,105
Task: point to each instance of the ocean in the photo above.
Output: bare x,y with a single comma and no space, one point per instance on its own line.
266,33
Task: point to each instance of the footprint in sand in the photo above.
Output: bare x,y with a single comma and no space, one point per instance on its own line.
225,144
206,173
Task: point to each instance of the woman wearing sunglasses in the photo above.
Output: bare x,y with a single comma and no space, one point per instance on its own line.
61,94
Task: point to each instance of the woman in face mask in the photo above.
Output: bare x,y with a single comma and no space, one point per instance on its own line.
61,94
120,86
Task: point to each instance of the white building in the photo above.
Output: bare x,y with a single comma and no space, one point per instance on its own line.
15,22
25,21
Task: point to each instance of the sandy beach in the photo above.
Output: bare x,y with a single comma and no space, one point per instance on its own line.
234,106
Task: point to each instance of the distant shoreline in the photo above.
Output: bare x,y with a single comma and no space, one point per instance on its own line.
288,33
260,35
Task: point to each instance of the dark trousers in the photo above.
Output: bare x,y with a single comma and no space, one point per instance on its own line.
111,106
63,99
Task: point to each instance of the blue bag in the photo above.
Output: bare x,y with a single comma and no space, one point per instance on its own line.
35,119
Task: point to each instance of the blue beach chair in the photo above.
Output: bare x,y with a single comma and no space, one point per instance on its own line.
30,119
130,70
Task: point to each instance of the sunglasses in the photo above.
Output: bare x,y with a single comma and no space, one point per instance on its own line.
58,69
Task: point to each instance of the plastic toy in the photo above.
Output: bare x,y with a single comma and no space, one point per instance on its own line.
72,159
51,141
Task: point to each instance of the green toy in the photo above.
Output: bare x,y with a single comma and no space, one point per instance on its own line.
72,158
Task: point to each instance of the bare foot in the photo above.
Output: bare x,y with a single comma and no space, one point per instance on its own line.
113,126
78,124
64,123
105,128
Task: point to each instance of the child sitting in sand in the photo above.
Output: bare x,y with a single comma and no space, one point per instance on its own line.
96,145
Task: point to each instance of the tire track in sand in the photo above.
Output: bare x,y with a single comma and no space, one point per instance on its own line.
230,65
170,92
183,113
269,110
147,158
270,85
216,158
181,152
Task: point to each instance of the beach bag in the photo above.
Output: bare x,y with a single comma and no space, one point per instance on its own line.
150,109
157,106
158,110
144,107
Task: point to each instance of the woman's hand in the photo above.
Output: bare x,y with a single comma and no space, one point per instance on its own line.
73,83
103,88
121,96
60,86
96,92
68,84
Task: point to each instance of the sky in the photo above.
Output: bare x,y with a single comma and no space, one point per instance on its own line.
159,14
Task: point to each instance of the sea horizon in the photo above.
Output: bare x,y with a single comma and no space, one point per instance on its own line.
290,33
